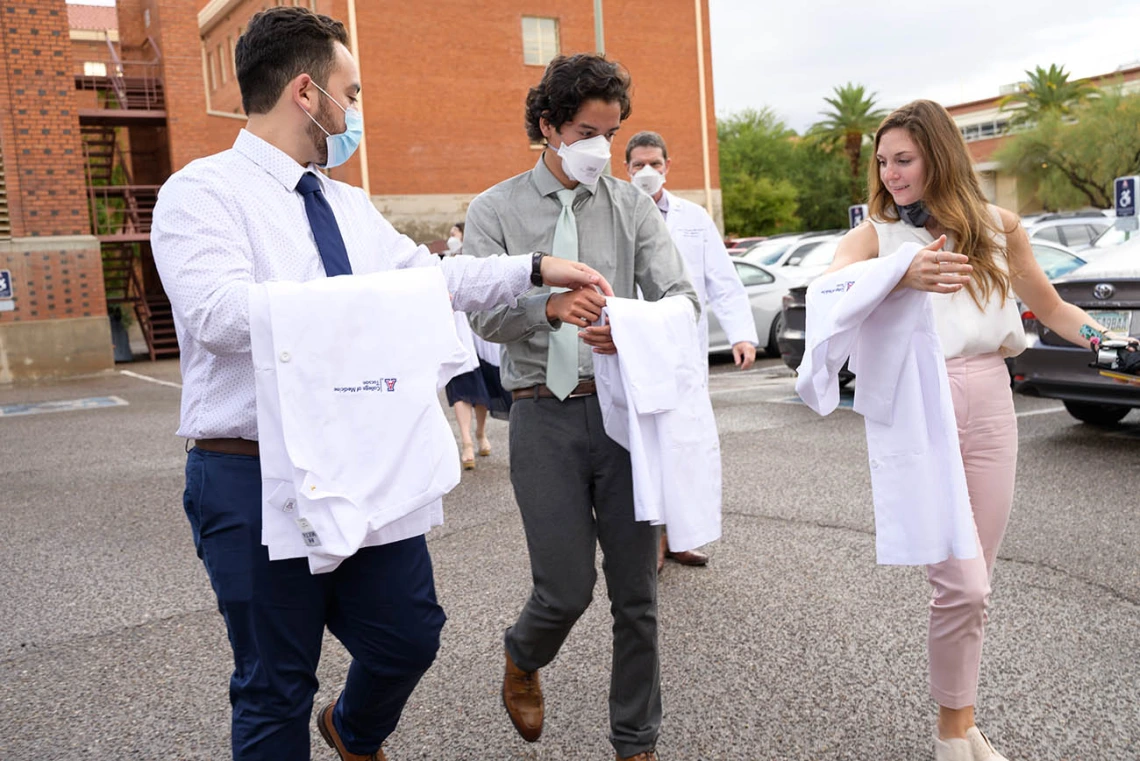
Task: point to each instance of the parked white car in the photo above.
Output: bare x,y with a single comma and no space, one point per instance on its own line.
766,287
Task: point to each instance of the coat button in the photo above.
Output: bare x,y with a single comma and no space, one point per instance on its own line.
285,356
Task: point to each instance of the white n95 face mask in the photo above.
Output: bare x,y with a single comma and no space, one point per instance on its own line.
648,180
585,160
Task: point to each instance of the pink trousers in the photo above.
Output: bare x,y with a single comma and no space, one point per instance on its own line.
987,432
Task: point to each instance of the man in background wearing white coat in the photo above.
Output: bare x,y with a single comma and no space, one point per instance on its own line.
710,268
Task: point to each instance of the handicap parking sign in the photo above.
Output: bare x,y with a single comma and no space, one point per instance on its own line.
856,214
5,284
1125,194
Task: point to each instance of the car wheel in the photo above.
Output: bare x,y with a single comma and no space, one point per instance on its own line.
1097,414
773,348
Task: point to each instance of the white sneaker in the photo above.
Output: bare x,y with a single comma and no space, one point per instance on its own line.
954,749
980,746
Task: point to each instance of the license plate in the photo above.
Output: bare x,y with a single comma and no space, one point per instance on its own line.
1117,322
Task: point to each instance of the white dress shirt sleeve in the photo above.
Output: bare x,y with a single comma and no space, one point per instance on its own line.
474,284
205,262
726,295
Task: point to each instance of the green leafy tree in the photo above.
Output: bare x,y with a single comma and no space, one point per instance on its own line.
821,179
1047,92
851,119
756,154
759,205
1071,160
764,163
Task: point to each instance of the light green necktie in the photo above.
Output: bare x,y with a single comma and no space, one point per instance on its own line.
562,355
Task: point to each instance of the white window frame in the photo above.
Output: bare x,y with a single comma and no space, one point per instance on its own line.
541,40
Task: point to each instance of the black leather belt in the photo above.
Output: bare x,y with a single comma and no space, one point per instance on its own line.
585,388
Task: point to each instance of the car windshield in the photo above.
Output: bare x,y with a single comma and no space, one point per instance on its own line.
1113,236
768,252
1056,262
821,255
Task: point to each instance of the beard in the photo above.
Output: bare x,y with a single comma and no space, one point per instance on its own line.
317,136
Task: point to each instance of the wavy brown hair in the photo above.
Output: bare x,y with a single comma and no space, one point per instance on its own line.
952,194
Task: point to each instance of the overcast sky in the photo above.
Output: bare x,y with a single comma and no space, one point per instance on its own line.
789,55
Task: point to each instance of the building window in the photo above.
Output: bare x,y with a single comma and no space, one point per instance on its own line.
540,40
95,68
230,50
222,64
213,71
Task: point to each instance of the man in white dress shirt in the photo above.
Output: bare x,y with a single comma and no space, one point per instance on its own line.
710,268
261,212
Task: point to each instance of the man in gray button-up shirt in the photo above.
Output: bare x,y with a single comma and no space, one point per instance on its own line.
573,484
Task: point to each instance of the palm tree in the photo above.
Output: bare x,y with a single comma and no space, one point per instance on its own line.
852,118
1048,91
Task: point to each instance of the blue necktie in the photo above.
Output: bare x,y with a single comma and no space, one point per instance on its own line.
323,223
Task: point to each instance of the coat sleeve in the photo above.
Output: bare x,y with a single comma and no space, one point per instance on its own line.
726,295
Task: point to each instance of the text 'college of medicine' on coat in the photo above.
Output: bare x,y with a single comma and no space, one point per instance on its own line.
353,438
229,221
654,399
922,506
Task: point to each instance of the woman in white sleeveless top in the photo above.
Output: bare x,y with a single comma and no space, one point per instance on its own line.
976,258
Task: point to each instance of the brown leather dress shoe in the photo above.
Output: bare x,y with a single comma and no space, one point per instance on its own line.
332,738
522,697
688,557
649,755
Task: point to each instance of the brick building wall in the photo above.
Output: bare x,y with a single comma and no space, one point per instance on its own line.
59,322
445,85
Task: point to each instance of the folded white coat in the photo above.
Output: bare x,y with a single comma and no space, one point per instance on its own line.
654,399
922,505
355,449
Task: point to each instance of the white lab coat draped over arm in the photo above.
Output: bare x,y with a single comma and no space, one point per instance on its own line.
655,404
922,505
355,450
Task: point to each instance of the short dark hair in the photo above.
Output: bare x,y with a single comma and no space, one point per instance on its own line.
279,44
460,225
646,139
567,83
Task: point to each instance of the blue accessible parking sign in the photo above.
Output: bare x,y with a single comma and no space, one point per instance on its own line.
5,284
1124,198
1125,195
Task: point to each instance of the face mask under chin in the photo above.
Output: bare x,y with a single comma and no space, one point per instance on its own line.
914,214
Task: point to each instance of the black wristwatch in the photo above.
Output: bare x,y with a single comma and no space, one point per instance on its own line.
536,268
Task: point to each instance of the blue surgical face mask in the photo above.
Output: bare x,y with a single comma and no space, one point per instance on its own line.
343,145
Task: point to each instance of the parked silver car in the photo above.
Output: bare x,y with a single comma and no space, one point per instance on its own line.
1074,231
1109,289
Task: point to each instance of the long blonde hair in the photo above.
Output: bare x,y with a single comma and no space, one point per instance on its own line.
952,194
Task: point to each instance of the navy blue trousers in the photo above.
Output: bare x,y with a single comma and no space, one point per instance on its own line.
380,603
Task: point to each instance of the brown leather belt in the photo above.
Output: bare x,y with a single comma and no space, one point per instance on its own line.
228,446
585,388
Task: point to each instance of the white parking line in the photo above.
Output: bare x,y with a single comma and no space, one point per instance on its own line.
66,405
1050,410
149,379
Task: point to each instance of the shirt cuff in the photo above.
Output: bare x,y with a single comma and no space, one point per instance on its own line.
520,275
535,309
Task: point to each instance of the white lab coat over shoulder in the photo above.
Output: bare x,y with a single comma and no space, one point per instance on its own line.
710,268
922,505
654,399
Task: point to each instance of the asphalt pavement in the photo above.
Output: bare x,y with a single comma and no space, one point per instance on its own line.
791,644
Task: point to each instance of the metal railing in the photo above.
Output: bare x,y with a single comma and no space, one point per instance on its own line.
136,84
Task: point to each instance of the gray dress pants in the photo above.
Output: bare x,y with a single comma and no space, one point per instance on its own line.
574,488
